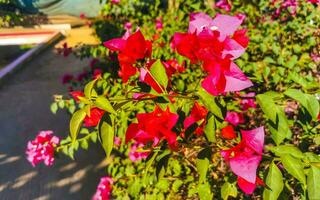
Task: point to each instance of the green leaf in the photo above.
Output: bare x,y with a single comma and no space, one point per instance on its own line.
210,103
309,102
61,104
268,106
104,104
210,129
106,133
89,88
75,123
228,189
204,191
135,187
158,72
287,149
294,167
202,163
176,185
292,61
84,144
313,185
54,107
275,182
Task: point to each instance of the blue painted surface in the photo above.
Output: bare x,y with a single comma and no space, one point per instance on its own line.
56,7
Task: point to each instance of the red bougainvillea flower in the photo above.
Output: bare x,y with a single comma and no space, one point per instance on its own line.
234,118
314,1
228,133
197,114
153,127
97,73
131,48
248,101
135,155
42,148
248,187
94,118
224,4
65,50
215,42
172,66
244,158
66,78
76,94
104,189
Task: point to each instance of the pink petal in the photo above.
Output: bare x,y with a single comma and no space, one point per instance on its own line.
116,44
232,48
226,25
254,139
236,80
245,165
199,21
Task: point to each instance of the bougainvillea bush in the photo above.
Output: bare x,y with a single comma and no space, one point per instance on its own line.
198,100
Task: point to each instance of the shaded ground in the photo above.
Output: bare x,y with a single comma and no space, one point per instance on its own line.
24,110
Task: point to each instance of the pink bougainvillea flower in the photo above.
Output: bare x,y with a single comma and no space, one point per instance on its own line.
136,155
198,113
224,4
159,25
244,158
234,118
67,78
94,118
248,101
291,5
117,141
228,133
76,94
315,57
221,80
128,26
104,189
115,1
153,127
131,48
41,149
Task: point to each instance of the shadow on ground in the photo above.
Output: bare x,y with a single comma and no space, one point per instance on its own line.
24,110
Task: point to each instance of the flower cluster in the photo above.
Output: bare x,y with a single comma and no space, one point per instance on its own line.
104,189
244,159
131,48
42,148
153,127
216,43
